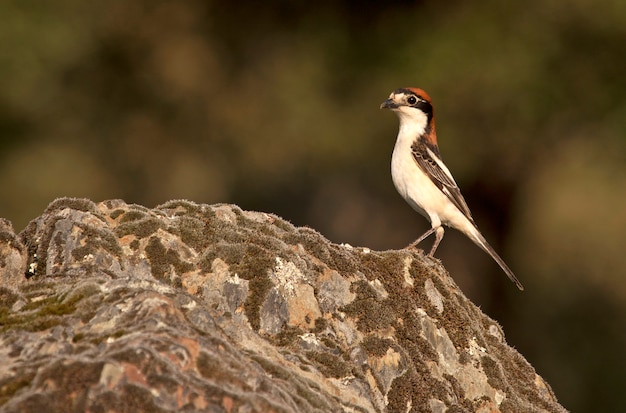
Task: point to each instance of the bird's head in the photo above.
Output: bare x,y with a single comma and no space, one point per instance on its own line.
414,108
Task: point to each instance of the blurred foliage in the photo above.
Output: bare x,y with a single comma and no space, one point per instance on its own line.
274,106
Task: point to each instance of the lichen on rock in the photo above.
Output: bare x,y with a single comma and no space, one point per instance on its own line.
188,307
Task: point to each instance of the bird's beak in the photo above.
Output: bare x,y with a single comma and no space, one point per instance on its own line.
388,104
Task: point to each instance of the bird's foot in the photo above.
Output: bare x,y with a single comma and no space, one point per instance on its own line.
411,246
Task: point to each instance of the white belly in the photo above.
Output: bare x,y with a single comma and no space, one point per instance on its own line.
419,191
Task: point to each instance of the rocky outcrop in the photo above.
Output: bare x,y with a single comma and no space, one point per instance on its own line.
187,307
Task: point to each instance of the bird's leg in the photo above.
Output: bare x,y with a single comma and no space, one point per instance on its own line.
422,238
438,237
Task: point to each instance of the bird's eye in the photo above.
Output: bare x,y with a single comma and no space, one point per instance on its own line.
412,100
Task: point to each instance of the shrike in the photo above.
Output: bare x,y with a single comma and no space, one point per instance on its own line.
422,178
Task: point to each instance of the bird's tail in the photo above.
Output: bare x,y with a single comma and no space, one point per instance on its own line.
477,237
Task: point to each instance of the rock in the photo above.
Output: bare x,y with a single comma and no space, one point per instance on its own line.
187,307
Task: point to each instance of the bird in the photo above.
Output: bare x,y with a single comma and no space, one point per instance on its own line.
423,180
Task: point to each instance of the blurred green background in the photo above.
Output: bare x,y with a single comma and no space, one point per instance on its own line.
274,107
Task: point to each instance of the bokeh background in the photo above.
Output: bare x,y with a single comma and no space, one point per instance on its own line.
274,106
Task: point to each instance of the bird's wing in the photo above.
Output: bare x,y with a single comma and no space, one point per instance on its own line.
429,161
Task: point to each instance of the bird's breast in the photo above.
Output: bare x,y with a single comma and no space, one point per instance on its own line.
417,188
410,181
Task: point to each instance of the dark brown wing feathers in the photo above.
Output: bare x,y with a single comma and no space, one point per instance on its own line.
438,176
